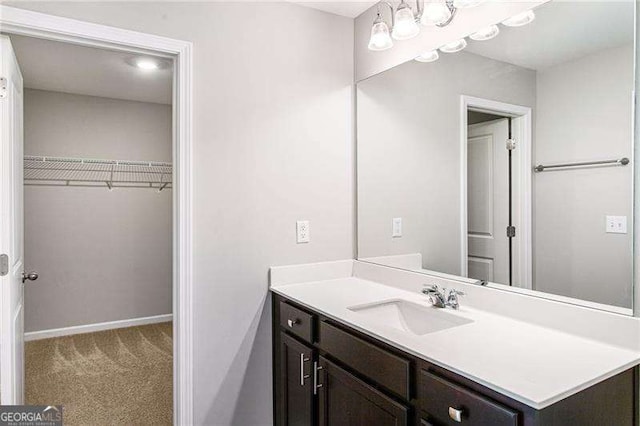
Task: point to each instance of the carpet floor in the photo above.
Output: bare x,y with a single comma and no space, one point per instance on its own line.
114,377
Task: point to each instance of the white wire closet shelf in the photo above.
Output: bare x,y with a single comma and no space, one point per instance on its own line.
59,171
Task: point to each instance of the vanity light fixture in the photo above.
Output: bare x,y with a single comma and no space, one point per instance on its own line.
520,19
437,12
404,22
454,46
429,56
405,26
486,33
380,38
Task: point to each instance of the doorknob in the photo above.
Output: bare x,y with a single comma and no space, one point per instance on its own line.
31,276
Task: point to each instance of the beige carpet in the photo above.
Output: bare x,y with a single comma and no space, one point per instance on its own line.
121,376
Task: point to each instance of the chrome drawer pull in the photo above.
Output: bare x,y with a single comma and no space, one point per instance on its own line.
316,385
292,322
302,375
455,414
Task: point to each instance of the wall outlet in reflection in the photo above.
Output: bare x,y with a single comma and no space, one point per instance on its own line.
616,225
396,227
302,231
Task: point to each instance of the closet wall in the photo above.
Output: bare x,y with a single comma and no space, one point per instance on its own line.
102,255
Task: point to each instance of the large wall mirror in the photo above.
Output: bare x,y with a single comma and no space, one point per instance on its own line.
509,162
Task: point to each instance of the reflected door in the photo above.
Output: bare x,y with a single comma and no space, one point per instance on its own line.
488,201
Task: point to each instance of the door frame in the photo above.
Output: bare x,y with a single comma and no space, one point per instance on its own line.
521,123
50,27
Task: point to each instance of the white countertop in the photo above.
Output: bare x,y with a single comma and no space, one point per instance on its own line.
535,365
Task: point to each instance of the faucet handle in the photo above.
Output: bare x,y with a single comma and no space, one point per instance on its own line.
457,292
433,288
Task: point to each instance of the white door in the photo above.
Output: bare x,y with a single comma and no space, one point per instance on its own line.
11,231
488,201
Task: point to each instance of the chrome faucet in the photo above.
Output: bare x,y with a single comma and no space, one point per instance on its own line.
436,297
442,299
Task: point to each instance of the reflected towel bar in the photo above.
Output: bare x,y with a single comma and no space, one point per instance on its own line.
619,162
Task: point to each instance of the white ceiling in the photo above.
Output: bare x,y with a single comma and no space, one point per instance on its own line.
562,31
63,67
350,9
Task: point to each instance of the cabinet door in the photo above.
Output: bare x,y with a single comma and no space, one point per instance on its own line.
296,387
347,401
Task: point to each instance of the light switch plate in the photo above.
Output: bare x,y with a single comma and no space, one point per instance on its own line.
302,232
616,225
397,227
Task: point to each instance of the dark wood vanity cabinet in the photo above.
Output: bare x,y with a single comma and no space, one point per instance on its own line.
327,374
297,394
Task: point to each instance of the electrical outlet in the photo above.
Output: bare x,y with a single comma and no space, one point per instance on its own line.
302,231
616,225
396,227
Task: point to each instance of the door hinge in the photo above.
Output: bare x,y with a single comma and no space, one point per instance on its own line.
511,144
3,87
4,265
511,231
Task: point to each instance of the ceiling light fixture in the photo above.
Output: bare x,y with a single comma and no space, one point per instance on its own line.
429,56
454,46
520,19
148,63
486,33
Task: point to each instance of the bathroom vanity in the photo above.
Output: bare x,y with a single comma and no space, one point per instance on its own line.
503,172
359,344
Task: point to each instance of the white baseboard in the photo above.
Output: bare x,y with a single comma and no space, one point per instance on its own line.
90,328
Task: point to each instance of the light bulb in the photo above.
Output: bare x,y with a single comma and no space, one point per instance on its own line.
520,19
405,26
486,33
454,46
429,56
435,13
380,39
462,4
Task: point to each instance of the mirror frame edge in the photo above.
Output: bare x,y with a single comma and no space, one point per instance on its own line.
636,174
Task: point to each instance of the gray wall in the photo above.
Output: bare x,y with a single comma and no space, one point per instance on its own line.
101,255
409,151
584,113
272,144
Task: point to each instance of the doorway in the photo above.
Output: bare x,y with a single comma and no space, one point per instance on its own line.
21,22
496,181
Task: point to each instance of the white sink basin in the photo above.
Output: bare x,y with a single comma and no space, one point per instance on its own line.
410,317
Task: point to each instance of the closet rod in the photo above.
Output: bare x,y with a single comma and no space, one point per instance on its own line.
618,162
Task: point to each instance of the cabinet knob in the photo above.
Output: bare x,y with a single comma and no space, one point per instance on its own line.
293,322
455,414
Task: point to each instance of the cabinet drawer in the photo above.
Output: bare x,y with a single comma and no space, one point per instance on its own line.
451,404
382,367
296,321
